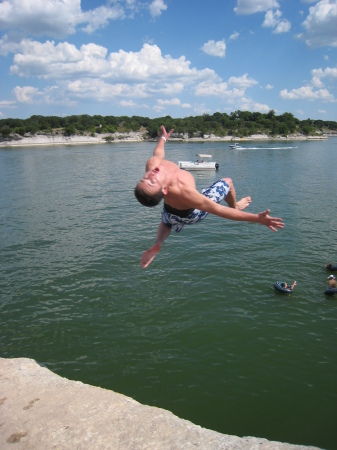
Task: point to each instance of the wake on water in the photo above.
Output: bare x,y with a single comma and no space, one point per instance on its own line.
264,148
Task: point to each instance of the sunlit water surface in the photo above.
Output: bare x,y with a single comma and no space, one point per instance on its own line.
201,332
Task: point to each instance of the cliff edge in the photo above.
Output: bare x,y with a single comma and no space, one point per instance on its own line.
41,410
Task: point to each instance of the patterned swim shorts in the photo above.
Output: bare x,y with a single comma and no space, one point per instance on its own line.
217,192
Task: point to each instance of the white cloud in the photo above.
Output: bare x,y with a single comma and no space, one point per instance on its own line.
252,7
99,17
8,46
103,91
318,74
307,93
320,25
162,104
250,105
170,102
91,73
282,27
234,36
322,111
201,109
235,96
315,90
25,94
7,104
329,72
213,89
158,108
55,18
166,88
273,19
215,48
269,86
38,17
316,82
157,7
128,103
149,63
51,95
242,82
46,60
64,60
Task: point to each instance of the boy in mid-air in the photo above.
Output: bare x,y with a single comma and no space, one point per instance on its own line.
183,204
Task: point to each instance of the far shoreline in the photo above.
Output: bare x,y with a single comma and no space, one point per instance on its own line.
134,137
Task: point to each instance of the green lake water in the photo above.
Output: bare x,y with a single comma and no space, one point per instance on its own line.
201,332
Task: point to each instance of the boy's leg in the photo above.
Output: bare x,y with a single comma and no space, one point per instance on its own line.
231,197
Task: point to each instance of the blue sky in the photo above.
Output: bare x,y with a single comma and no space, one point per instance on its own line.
168,57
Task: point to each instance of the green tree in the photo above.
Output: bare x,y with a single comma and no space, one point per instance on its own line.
283,129
70,130
5,131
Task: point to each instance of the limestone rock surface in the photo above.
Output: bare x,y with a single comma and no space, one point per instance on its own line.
40,410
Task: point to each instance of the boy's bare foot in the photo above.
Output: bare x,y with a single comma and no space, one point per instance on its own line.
243,203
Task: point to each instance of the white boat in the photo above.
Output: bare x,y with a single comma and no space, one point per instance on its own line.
237,146
198,165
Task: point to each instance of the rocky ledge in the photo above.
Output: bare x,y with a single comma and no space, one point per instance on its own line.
41,410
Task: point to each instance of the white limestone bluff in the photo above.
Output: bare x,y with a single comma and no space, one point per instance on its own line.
43,139
40,410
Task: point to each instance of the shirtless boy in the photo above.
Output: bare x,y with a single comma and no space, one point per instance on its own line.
183,204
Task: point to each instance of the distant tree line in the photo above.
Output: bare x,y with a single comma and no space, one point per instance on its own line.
238,123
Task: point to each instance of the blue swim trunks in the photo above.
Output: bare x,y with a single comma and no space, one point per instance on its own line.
217,192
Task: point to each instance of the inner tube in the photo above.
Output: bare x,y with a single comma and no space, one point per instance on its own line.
330,291
332,267
280,286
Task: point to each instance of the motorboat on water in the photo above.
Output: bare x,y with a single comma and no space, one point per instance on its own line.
236,146
199,164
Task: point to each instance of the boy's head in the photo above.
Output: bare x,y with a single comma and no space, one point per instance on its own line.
152,187
147,197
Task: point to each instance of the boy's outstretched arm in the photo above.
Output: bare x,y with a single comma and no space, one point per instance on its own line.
162,234
160,147
199,201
